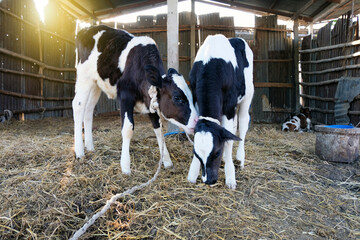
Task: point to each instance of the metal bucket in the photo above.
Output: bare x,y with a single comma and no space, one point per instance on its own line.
337,143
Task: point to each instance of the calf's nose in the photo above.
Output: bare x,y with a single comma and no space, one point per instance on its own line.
210,181
196,119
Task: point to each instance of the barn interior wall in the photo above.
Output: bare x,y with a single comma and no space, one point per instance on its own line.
274,98
37,77
322,70
37,60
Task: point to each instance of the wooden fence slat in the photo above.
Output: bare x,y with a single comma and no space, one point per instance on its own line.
41,110
332,69
37,76
325,99
273,84
32,60
272,60
331,47
357,54
33,97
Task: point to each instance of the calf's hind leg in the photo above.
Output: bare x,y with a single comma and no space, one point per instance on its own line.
78,105
244,119
88,117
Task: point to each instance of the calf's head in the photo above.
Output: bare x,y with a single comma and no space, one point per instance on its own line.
174,97
209,143
305,117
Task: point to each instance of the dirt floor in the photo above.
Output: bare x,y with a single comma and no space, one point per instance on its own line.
284,192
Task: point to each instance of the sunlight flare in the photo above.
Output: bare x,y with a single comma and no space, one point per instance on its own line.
40,6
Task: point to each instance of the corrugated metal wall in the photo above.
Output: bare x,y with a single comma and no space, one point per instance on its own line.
37,60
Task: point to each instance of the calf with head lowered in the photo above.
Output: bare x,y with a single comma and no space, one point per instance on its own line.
222,84
125,66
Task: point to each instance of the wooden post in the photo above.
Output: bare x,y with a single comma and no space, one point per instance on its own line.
296,64
192,33
172,42
41,67
22,66
311,30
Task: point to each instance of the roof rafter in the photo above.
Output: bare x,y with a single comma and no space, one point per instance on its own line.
129,8
79,7
244,6
273,4
306,6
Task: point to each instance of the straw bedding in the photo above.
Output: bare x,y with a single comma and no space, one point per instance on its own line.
284,192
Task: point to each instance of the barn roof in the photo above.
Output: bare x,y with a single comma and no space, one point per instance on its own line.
306,10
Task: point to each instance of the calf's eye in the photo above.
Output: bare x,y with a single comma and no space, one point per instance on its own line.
178,99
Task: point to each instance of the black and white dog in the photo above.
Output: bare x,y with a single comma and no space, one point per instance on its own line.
221,80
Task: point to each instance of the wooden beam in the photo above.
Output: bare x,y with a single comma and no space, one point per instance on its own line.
273,84
306,6
337,69
110,3
273,4
41,110
326,82
193,33
296,64
324,99
128,8
278,60
244,6
34,97
356,54
172,42
32,60
327,11
341,45
34,75
68,9
81,8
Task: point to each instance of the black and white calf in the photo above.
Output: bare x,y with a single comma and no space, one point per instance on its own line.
298,123
221,80
126,67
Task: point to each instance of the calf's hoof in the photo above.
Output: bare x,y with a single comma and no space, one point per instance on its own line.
231,184
90,149
126,172
79,155
168,164
191,179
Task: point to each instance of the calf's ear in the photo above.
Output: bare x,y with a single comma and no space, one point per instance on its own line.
226,135
172,71
153,76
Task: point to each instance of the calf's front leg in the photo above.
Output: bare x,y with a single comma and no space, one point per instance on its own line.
229,165
164,153
127,131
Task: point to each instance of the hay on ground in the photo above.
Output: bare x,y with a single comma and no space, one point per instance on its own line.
284,192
